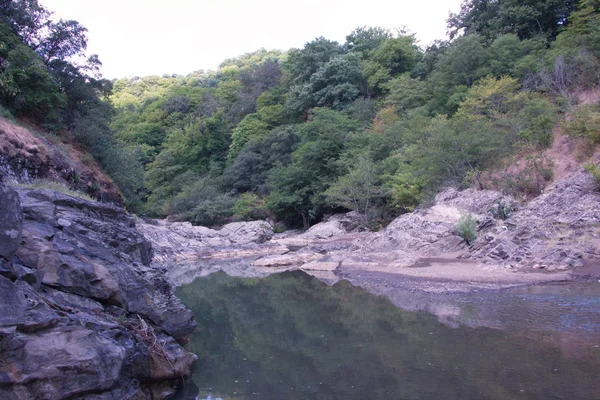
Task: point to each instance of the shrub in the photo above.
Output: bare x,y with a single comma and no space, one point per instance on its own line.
501,210
466,228
249,207
594,170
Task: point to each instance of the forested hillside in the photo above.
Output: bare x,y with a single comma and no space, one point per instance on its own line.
375,124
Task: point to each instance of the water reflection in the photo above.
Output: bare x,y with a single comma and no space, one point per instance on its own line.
290,336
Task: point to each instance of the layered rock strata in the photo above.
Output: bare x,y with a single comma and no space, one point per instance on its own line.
83,313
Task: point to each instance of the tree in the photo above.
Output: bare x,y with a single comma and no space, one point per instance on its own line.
302,64
358,190
525,18
335,83
394,56
26,85
363,40
296,189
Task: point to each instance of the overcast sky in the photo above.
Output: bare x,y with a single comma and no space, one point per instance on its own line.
155,37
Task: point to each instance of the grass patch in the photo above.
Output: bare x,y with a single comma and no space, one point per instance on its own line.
57,187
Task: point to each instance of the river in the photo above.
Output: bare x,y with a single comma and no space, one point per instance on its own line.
293,336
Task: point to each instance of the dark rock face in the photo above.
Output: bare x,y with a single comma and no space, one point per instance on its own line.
11,222
82,312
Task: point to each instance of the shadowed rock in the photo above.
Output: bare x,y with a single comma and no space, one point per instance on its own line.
83,314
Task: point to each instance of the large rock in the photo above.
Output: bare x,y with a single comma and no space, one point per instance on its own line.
82,296
247,232
431,231
558,230
178,241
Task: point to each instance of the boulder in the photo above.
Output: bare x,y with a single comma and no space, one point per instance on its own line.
247,232
178,241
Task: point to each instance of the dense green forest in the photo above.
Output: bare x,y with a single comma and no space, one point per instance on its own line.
376,124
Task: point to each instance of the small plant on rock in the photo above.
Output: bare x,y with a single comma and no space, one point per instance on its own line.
594,170
501,210
466,228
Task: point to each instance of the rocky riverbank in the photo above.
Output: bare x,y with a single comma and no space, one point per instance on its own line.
555,237
83,312
87,308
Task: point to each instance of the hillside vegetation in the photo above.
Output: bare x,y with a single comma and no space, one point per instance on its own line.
376,124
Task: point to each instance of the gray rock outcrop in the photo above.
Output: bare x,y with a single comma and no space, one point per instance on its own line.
431,231
83,313
559,229
177,241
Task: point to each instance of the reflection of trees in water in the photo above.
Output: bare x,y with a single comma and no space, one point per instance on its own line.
290,336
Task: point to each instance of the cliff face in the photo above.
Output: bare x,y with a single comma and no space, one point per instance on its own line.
25,157
82,312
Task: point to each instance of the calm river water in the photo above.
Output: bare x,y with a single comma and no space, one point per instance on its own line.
291,336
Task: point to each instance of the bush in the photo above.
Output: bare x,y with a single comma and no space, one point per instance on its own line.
501,210
594,170
466,228
249,207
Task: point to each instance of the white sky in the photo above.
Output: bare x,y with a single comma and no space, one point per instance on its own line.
155,37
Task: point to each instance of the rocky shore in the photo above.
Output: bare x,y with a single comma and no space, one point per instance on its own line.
83,312
555,237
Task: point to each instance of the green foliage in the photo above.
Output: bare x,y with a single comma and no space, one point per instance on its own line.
335,84
501,210
26,85
364,40
526,19
394,56
200,202
249,207
250,127
358,190
406,93
297,189
466,228
594,170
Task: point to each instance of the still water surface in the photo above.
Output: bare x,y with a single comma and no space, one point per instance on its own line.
291,336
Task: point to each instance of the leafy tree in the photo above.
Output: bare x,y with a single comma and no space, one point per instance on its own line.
250,127
525,18
249,207
364,40
394,56
405,93
26,86
335,84
359,190
250,169
297,188
302,64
